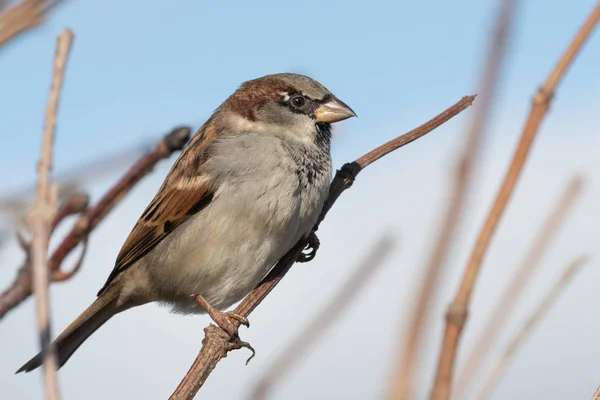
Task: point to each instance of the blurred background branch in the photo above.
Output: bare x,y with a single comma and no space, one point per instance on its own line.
529,327
415,327
42,215
76,178
509,299
20,289
457,312
22,16
72,182
596,395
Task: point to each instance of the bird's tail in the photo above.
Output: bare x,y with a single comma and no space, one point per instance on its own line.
101,310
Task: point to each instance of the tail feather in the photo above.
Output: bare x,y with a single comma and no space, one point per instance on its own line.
101,310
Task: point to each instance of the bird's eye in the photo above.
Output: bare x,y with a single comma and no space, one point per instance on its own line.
298,101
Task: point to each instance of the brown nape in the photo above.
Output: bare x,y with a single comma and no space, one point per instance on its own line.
253,94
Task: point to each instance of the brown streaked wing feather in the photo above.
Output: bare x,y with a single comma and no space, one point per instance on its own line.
167,211
185,192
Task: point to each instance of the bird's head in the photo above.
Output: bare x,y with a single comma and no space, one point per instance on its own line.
289,104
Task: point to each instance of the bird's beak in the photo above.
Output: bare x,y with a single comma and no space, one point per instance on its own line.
333,110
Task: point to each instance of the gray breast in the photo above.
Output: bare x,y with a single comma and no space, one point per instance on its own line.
288,176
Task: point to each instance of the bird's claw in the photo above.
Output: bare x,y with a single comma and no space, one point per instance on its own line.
239,318
237,343
312,245
222,319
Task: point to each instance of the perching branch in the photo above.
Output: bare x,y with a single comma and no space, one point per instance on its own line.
298,347
401,387
458,310
213,349
510,298
529,327
20,289
42,215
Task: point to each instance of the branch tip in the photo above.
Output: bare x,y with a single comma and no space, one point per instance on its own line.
177,138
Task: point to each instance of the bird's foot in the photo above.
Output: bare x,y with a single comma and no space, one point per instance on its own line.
312,245
223,319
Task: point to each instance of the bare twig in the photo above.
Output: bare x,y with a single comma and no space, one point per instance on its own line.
42,215
528,328
402,382
174,141
76,177
346,175
457,312
74,204
23,16
20,289
509,299
212,346
325,318
596,395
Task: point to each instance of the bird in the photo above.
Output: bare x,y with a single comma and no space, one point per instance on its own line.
248,186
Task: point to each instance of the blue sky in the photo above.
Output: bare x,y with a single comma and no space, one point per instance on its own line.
139,68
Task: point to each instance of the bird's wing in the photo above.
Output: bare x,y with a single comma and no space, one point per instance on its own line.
185,192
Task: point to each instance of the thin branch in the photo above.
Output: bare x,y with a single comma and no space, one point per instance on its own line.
596,395
346,175
77,176
299,346
458,310
20,289
510,298
60,275
74,204
23,16
174,141
529,327
42,215
212,346
401,387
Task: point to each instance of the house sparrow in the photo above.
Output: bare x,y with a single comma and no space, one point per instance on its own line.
248,186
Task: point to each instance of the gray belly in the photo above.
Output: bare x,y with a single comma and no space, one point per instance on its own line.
224,251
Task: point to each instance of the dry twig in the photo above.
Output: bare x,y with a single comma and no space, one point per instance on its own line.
23,16
457,312
528,328
42,215
509,299
596,395
325,318
402,382
20,289
212,346
75,179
